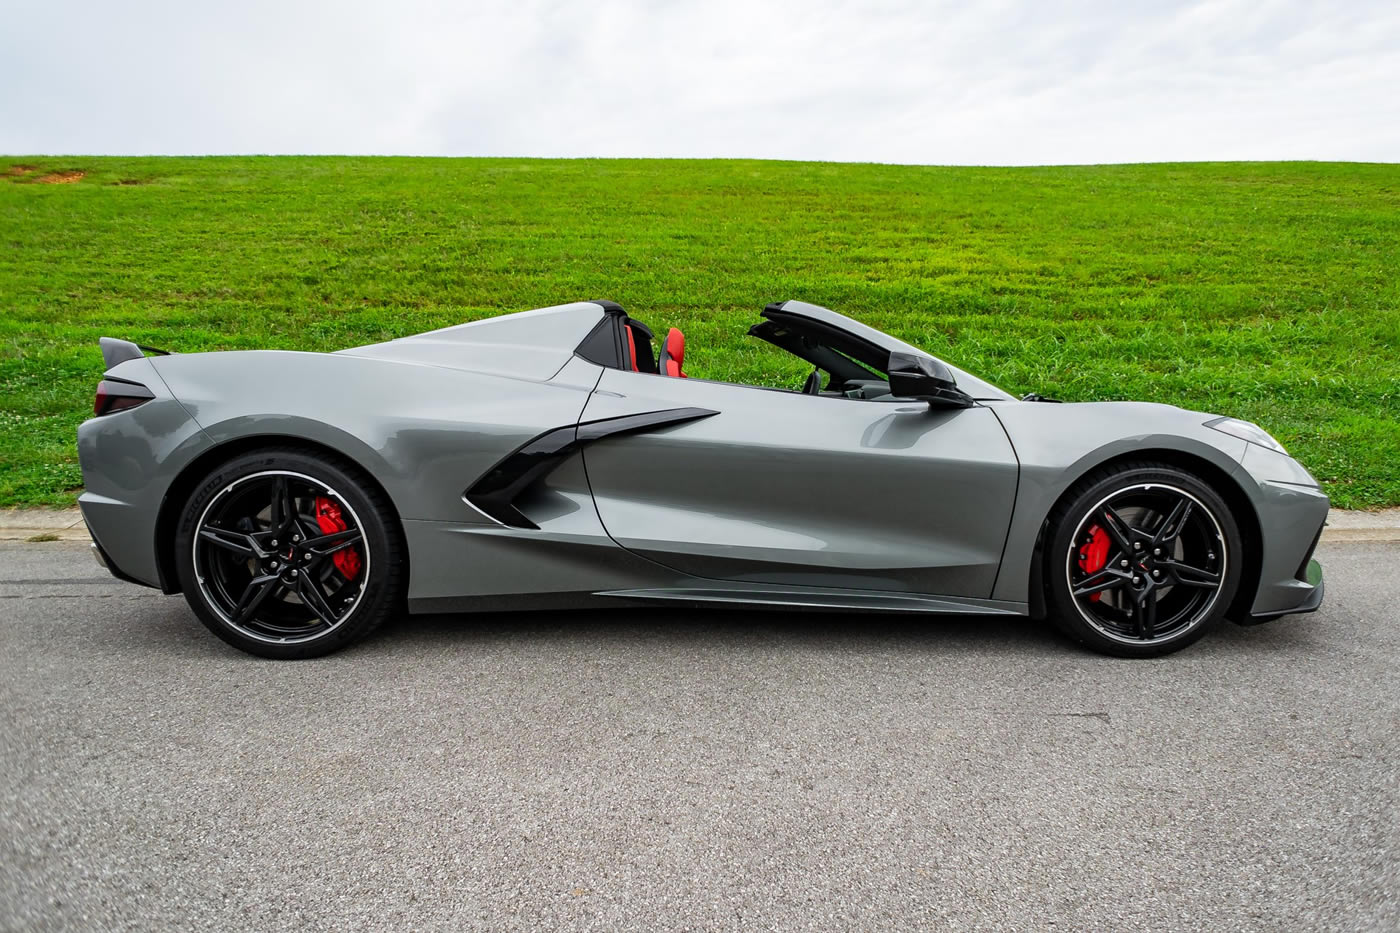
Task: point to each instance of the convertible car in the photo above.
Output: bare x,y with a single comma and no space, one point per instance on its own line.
562,458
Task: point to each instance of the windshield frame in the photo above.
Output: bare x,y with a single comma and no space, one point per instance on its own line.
822,327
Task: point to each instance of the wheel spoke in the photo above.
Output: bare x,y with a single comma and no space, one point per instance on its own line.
1146,616
1171,528
235,541
282,514
1119,530
1187,575
258,589
335,541
308,526
1105,579
315,600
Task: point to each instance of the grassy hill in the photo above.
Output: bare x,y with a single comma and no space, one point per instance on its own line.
1266,291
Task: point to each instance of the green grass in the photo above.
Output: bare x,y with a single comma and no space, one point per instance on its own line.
1266,290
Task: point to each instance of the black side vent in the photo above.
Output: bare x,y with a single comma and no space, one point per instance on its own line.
495,493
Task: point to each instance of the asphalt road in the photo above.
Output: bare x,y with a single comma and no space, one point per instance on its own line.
686,770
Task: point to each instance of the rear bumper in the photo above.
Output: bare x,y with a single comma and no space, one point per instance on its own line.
124,536
129,459
1309,592
106,564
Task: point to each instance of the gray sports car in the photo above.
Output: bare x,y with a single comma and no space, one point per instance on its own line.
560,458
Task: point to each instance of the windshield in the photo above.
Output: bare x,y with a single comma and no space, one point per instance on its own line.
820,335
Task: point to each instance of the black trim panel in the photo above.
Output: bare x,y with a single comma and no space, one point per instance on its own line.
606,343
1312,575
601,344
494,494
1311,604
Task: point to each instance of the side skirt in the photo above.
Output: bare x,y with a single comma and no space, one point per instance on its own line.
817,598
706,597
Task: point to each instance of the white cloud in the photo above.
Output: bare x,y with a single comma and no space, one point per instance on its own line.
1005,82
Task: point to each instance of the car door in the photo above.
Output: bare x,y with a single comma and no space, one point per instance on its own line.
786,488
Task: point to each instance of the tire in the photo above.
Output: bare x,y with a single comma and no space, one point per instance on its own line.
337,579
1142,560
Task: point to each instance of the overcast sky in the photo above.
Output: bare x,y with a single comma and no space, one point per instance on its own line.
970,82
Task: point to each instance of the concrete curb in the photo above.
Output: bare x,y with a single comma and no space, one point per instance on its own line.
48,524
1382,525
67,525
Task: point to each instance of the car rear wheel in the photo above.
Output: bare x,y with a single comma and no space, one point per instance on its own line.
1142,560
289,554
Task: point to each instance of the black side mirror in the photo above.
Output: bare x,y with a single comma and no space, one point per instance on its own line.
926,379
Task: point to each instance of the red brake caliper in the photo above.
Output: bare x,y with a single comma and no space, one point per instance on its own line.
328,516
1094,554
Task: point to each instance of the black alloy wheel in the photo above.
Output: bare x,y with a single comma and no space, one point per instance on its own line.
288,554
1143,561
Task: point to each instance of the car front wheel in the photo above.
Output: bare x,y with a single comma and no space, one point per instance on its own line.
1143,559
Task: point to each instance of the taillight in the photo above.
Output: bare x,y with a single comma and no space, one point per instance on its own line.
119,395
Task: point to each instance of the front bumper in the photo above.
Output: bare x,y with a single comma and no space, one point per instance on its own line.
1312,598
1291,509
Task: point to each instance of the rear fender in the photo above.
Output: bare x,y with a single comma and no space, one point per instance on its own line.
425,433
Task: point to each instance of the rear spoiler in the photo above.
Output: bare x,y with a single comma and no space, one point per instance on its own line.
116,351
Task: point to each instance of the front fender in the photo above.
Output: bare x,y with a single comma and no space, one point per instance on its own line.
1058,444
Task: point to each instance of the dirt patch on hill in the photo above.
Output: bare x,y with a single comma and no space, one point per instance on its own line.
19,170
60,178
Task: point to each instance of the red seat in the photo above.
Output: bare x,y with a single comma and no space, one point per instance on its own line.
672,354
632,349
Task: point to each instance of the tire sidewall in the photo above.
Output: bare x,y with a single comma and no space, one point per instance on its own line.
377,535
1064,609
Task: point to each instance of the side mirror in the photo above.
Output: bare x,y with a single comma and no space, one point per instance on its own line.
926,379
